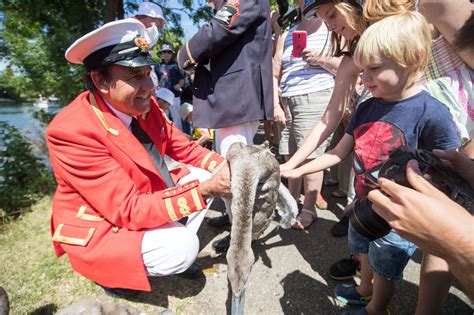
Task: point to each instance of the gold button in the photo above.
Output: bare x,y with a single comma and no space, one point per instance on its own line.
115,229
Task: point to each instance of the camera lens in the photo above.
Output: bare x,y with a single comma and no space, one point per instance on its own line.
365,221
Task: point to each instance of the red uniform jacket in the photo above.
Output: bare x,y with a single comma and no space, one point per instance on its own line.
109,190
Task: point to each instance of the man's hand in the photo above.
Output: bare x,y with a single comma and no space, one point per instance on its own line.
177,87
218,184
205,135
423,215
275,26
460,164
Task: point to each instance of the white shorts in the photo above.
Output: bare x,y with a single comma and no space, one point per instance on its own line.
173,247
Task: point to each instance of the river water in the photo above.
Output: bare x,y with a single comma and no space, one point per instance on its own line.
21,117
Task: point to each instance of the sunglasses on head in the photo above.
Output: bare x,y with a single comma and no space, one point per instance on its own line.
166,52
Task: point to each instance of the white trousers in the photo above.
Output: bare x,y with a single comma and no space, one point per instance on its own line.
173,247
225,137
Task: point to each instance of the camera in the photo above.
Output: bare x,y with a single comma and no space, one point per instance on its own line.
369,224
288,15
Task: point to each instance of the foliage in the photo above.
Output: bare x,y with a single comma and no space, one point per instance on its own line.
36,33
23,178
10,85
43,117
37,282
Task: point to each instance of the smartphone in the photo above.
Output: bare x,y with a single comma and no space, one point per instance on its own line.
299,43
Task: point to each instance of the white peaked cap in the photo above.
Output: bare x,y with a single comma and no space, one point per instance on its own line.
117,42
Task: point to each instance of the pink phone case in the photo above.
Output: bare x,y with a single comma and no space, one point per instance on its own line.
299,43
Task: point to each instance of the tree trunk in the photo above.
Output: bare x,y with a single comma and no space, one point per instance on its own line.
113,10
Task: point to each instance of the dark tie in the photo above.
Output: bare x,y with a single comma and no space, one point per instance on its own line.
155,155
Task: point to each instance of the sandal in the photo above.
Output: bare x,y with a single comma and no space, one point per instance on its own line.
339,193
305,219
321,203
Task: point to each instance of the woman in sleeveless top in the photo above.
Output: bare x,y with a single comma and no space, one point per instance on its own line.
305,86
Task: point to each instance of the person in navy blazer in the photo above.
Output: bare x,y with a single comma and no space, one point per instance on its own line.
232,57
232,60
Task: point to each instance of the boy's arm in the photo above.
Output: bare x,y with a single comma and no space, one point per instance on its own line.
328,159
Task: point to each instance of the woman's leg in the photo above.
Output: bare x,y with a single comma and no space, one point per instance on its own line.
294,185
312,186
435,281
383,292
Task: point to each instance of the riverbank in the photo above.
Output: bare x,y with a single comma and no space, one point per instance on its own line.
8,101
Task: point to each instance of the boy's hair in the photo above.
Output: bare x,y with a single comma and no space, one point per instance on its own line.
405,39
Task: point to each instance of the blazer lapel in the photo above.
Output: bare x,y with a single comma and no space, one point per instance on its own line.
121,136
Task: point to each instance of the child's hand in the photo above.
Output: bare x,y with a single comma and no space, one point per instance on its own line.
285,167
290,174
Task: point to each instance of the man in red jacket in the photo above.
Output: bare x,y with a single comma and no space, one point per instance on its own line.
117,211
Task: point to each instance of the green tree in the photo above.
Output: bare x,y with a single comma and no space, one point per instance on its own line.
36,33
23,178
10,85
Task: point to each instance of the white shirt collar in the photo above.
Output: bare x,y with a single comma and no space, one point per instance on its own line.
124,118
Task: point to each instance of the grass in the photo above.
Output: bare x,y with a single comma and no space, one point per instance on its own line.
39,283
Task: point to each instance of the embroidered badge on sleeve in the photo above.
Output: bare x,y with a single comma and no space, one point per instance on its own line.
228,13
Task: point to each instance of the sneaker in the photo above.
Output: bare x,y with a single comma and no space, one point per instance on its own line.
347,294
222,245
193,272
340,228
344,269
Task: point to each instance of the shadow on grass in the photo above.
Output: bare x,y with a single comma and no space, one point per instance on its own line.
45,309
164,287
